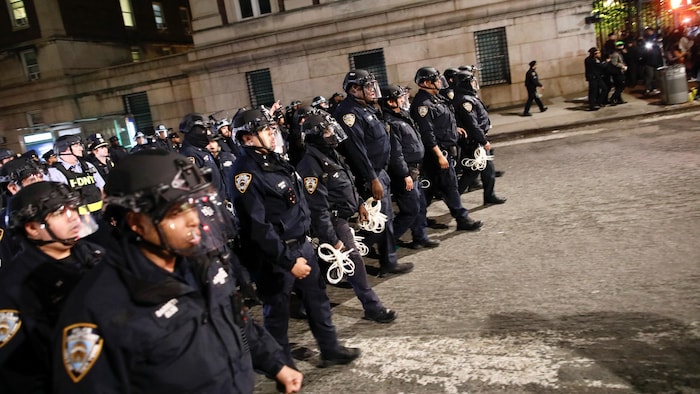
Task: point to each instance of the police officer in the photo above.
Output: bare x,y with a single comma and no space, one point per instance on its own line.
320,102
472,116
163,314
228,143
368,150
532,82
73,170
116,150
333,200
6,155
49,157
224,159
436,123
405,174
161,140
35,284
14,176
99,154
141,143
194,147
275,223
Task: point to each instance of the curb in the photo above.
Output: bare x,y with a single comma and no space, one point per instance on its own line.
513,135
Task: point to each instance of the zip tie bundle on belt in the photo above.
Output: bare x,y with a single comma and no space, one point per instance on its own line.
447,156
361,247
340,262
376,219
478,163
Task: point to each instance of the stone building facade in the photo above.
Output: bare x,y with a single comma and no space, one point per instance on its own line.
249,52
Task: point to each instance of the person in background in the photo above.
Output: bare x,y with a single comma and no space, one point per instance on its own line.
617,69
532,82
49,157
116,150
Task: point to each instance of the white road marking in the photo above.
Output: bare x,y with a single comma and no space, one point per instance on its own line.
554,136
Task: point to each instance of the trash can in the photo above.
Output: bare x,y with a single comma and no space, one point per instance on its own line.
674,84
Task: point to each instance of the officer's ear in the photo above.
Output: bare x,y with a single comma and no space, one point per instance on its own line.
33,229
136,222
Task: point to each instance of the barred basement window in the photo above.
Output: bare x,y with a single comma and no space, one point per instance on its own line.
260,88
492,56
372,61
136,104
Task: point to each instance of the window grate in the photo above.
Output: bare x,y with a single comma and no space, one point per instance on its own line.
492,56
372,61
260,87
137,105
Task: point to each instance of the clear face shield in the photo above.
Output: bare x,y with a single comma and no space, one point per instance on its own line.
334,134
371,92
195,226
66,225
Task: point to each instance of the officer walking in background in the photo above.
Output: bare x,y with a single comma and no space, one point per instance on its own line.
368,151
472,116
532,82
163,315
73,170
36,282
406,173
436,123
275,223
333,200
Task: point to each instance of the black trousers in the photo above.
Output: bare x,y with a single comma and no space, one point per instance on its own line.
532,96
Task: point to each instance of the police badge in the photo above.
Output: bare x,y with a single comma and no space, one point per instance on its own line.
242,181
422,111
349,119
81,346
467,106
310,184
9,325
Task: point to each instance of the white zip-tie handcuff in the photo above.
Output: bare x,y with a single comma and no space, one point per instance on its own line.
362,249
478,163
340,262
376,219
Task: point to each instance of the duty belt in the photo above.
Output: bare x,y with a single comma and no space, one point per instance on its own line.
297,242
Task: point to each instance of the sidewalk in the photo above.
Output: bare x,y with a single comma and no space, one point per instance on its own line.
571,112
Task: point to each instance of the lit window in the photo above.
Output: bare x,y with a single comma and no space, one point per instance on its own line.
260,87
186,20
127,13
135,54
492,56
31,64
252,8
158,15
18,14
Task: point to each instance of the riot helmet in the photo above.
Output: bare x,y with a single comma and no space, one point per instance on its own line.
449,74
46,203
319,102
72,143
19,170
196,130
430,75
393,92
367,83
177,188
466,80
322,130
251,122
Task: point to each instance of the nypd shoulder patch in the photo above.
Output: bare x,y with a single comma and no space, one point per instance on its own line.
451,94
192,159
9,325
242,181
467,106
422,111
349,119
310,184
81,347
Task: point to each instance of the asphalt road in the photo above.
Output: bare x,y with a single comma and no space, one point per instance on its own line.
585,281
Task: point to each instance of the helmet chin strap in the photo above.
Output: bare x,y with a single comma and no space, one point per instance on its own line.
54,238
262,144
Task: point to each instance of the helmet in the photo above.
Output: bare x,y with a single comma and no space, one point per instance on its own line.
161,127
250,121
66,141
192,120
319,101
357,77
6,153
16,171
466,80
393,92
48,154
178,183
426,74
449,73
35,202
222,123
317,125
301,114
